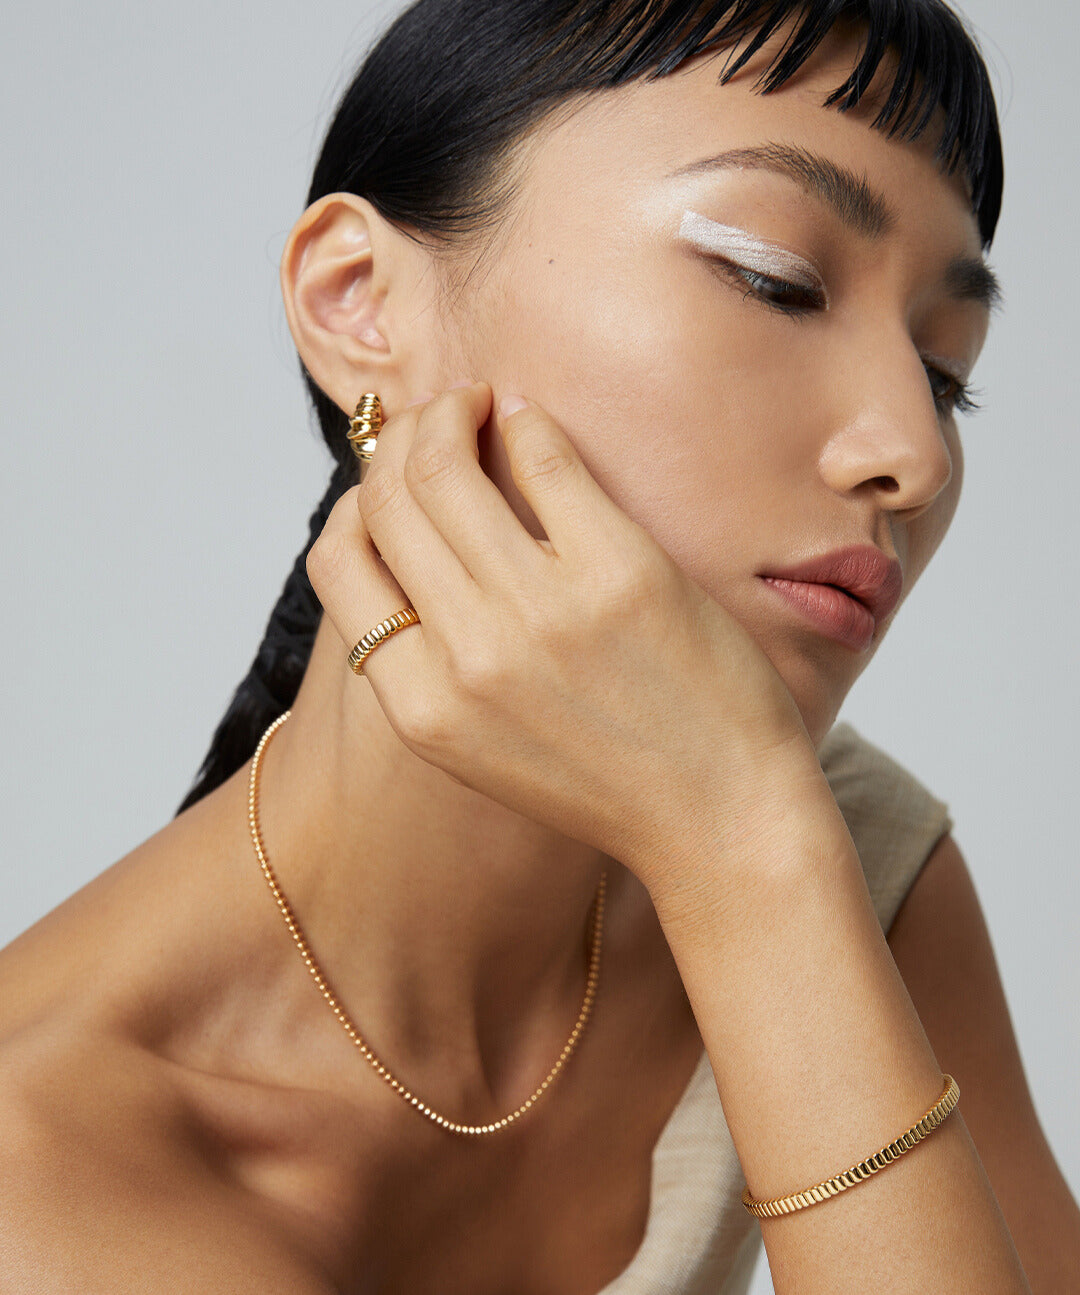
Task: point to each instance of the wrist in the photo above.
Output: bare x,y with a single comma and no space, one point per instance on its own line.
758,826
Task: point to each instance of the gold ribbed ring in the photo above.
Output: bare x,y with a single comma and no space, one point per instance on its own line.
365,425
859,1173
372,639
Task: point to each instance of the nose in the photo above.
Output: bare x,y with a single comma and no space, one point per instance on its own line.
886,434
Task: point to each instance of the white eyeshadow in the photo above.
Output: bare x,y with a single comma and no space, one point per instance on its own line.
749,252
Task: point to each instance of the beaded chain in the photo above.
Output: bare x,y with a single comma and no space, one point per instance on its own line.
312,965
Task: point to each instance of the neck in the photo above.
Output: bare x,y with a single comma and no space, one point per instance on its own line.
453,931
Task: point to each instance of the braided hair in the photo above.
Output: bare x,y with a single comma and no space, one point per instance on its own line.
271,684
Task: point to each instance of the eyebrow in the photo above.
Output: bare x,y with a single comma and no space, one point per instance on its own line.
858,205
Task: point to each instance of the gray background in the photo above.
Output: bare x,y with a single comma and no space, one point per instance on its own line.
160,462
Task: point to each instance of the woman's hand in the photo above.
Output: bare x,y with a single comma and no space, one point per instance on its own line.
586,683
582,680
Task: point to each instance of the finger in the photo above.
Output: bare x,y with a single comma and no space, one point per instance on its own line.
407,540
567,500
356,588
443,472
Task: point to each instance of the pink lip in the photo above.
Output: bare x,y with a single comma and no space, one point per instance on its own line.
860,570
835,613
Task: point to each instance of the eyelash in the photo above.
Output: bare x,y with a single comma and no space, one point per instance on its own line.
960,399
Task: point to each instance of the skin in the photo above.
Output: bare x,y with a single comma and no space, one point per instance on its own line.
676,458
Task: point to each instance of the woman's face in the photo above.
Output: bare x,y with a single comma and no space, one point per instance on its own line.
743,438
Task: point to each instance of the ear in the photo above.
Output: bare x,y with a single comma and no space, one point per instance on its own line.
346,275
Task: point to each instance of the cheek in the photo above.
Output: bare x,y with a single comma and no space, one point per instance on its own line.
689,406
926,533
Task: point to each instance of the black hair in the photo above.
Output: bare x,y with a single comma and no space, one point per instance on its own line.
425,127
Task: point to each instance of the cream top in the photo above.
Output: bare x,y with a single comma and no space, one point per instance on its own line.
699,1240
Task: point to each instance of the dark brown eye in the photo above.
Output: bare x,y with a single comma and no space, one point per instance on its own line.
780,293
789,299
950,394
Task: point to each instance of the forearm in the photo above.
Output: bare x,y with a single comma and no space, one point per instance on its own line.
819,1056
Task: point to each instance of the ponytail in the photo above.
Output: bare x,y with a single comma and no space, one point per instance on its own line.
271,685
429,122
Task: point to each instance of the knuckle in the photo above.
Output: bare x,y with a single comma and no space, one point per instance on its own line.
538,462
428,460
328,560
421,720
628,580
477,664
342,513
379,489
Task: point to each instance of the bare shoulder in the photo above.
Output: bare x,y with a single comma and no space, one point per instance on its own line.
109,1179
128,936
104,1189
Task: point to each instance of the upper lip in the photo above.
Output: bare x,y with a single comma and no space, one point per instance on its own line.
861,570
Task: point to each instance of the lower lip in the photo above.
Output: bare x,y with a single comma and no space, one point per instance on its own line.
835,613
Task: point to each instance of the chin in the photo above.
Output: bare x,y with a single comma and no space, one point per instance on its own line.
819,679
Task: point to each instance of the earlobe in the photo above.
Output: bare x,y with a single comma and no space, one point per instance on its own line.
333,292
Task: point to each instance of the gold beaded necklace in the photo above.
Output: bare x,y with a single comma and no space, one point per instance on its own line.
312,965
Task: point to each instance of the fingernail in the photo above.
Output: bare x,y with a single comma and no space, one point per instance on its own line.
462,382
510,405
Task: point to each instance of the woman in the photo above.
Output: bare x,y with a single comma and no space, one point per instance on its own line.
741,323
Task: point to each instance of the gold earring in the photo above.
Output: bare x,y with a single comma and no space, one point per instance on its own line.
365,425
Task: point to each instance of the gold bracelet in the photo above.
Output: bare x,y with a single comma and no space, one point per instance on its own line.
859,1173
